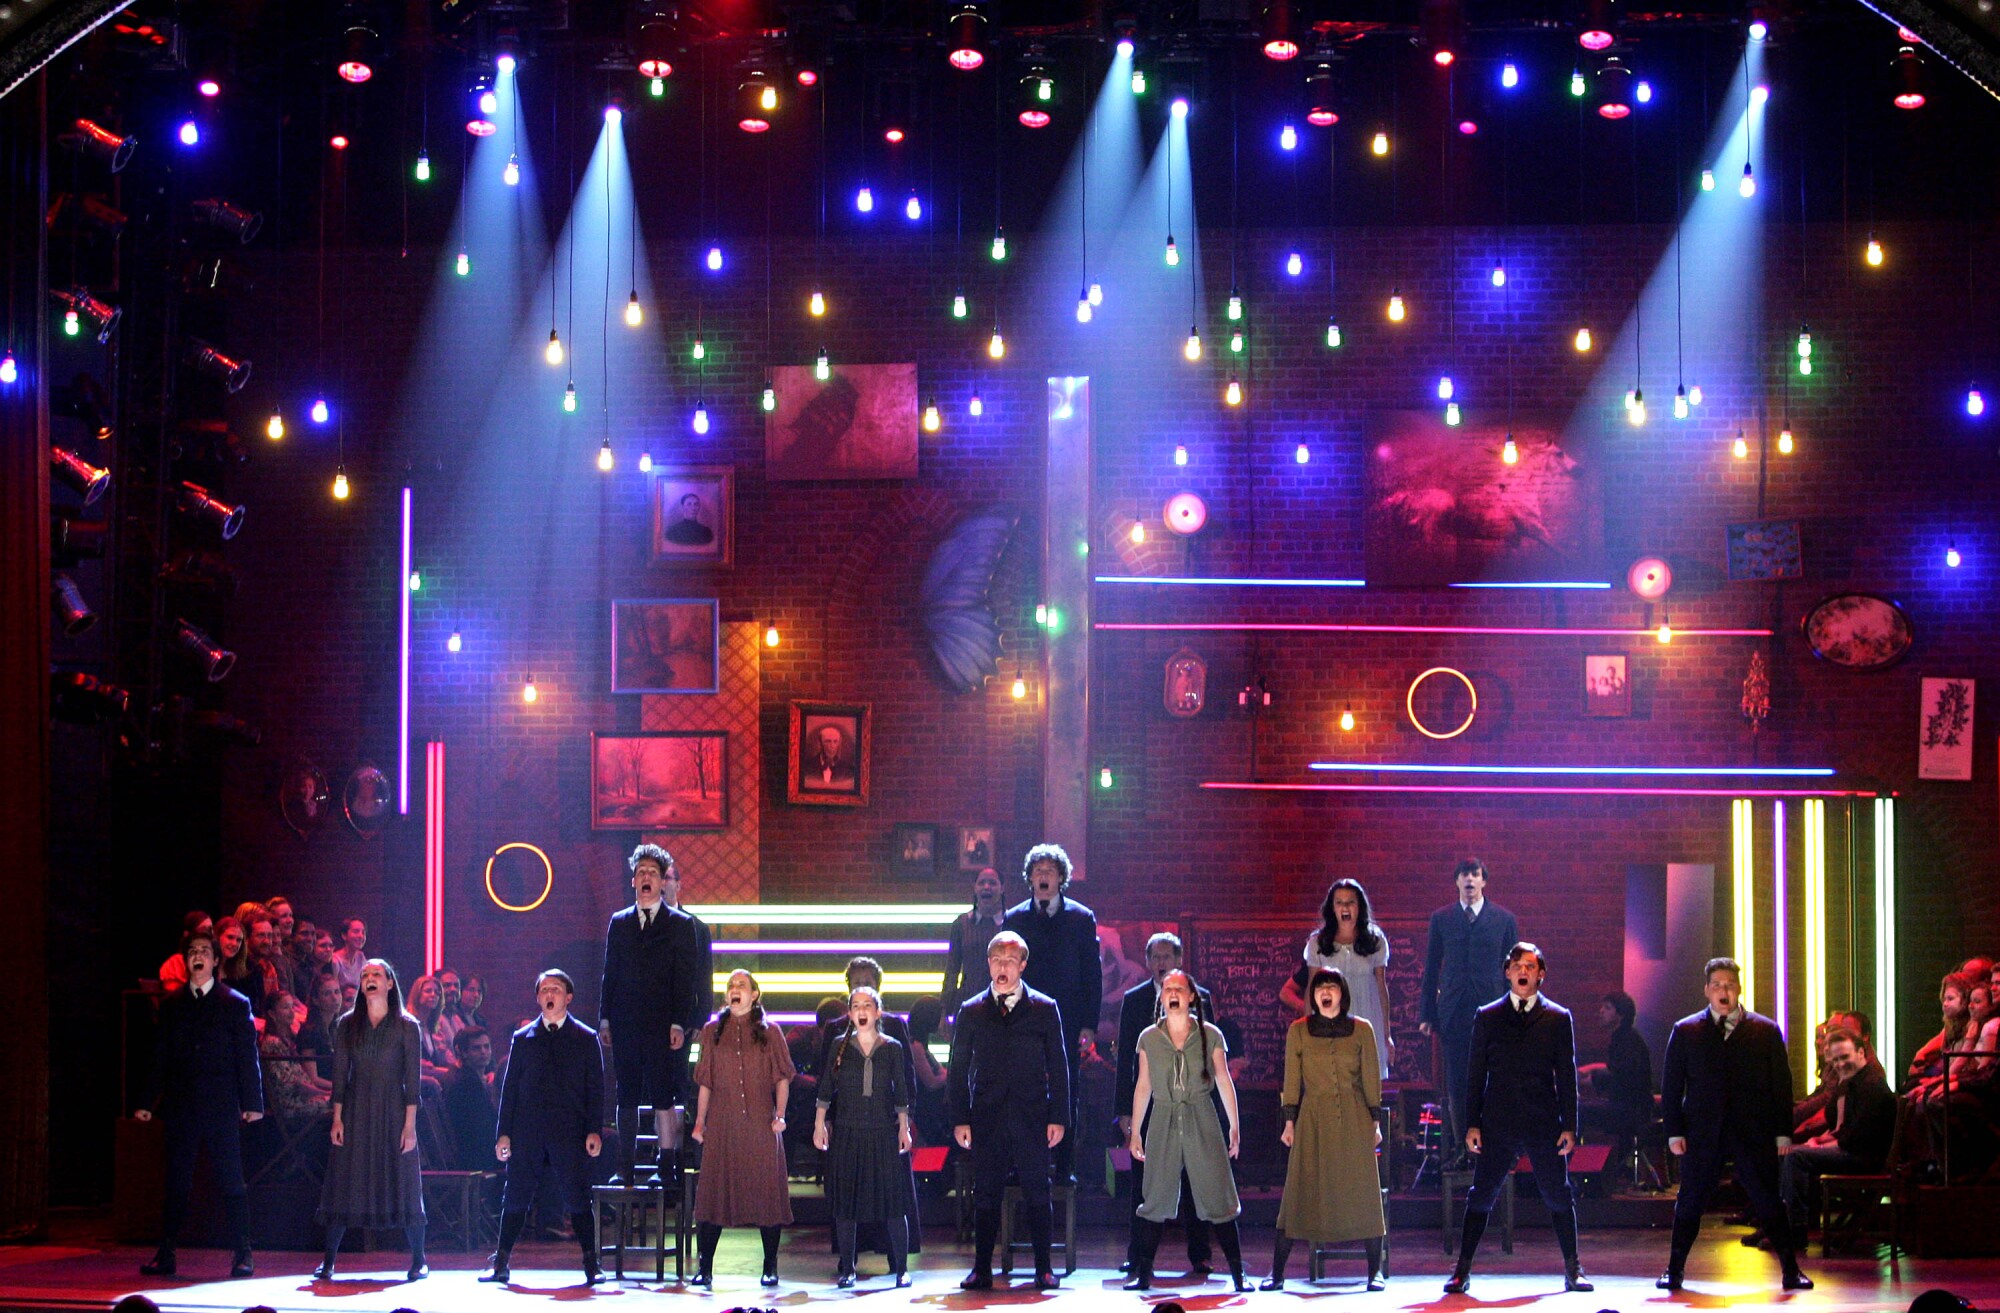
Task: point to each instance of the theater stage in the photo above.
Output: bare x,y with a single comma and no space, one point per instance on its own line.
1623,1264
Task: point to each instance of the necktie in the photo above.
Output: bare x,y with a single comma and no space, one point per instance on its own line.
551,1028
1470,916
645,920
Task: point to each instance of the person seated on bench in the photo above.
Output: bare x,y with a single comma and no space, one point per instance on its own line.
1863,1112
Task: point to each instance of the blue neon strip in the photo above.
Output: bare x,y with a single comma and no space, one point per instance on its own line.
1408,769
1534,585
1231,583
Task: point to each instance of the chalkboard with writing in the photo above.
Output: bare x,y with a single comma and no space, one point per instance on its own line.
1244,961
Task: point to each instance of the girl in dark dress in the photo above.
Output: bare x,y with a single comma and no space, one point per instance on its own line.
373,1177
867,1168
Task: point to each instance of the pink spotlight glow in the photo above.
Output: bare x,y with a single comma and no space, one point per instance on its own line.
353,70
1443,58
1034,118
1614,110
894,136
1322,118
965,58
754,125
209,87
1595,38
1468,128
338,142
481,127
808,77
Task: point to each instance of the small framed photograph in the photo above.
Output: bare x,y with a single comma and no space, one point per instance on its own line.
975,847
694,514
675,780
1606,691
827,754
667,645
913,851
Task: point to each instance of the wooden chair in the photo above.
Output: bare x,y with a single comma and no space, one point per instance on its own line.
1456,1185
1063,1197
1318,1255
1850,1198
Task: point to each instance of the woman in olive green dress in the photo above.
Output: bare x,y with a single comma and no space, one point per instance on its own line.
1332,1091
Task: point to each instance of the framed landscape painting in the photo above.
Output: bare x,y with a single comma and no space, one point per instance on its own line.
674,780
669,645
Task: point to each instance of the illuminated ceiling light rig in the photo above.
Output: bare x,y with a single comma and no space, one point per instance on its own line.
1909,73
1279,30
966,36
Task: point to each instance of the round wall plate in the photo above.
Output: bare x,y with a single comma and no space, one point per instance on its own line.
1650,578
1859,631
1185,513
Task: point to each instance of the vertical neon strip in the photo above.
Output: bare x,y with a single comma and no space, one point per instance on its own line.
1780,914
1816,930
403,671
1885,933
1744,920
433,856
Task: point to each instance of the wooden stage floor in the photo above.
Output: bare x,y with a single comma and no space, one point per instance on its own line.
1721,1273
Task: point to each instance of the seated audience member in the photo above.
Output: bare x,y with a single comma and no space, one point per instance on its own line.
1927,1067
322,1013
299,944
1863,1114
426,1004
352,954
1979,968
1944,1100
471,998
280,908
244,911
291,1088
173,971
318,962
929,1111
1624,1080
472,1102
450,1020
1812,1114
232,941
270,971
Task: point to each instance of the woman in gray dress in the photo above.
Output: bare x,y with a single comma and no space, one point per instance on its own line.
1183,1061
373,1177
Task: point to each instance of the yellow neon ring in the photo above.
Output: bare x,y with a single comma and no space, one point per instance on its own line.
548,878
1410,702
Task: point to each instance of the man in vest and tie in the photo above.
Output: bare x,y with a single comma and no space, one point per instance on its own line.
1463,955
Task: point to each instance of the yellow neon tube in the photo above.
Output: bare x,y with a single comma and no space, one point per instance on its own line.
1744,927
861,914
1815,875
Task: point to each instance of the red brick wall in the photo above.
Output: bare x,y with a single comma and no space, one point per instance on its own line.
523,543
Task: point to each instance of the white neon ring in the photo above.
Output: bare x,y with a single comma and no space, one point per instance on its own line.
1410,702
548,878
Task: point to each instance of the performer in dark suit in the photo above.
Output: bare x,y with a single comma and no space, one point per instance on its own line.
205,1085
966,956
1010,1102
1463,958
652,952
1727,1094
1061,935
550,1109
1140,1009
1521,1097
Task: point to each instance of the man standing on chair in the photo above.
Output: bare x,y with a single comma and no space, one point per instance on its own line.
1061,936
206,1085
550,1107
652,957
1140,1009
1727,1094
1009,1092
1463,956
1521,1098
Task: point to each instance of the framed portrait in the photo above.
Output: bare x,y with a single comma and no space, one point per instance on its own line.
694,514
859,423
673,780
1606,691
975,847
913,851
668,645
827,754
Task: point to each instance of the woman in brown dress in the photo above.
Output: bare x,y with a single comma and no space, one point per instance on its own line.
1332,1091
745,1075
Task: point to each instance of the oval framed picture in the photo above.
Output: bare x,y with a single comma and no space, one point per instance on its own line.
1859,631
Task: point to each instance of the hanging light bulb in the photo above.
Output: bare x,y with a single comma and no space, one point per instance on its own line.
958,307
1095,294
528,693
714,259
1173,252
1510,454
1288,138
416,581
1379,143
933,419
1332,332
274,427
1665,633
999,243
1499,274
1347,713
319,412
822,367
913,208
1104,780
1301,454
816,303
464,265
700,418
553,352
1873,255
1748,187
1975,402
699,350
1680,403
423,166
72,323
340,483
10,372
1805,342
769,400
455,643
1236,342
1192,347
1180,453
974,406
1708,179
771,635
1694,395
1138,532
657,86
1785,443
1951,556
1445,387
1235,305
1740,448
1138,81
634,316
1020,688
511,175
569,398
1396,310
864,200
1233,394
1635,414
1083,307
1295,264
1583,338
645,462
996,346
604,458
1577,86
1452,415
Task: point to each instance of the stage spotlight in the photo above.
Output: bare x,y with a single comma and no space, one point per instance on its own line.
1614,89
231,219
966,36
200,572
1909,68
1443,29
74,211
77,301
506,53
198,503
1596,31
78,475
1279,30
72,614
222,727
208,88
101,144
1322,110
230,371
214,661
1037,93
357,50
481,127
756,98
81,699
85,400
